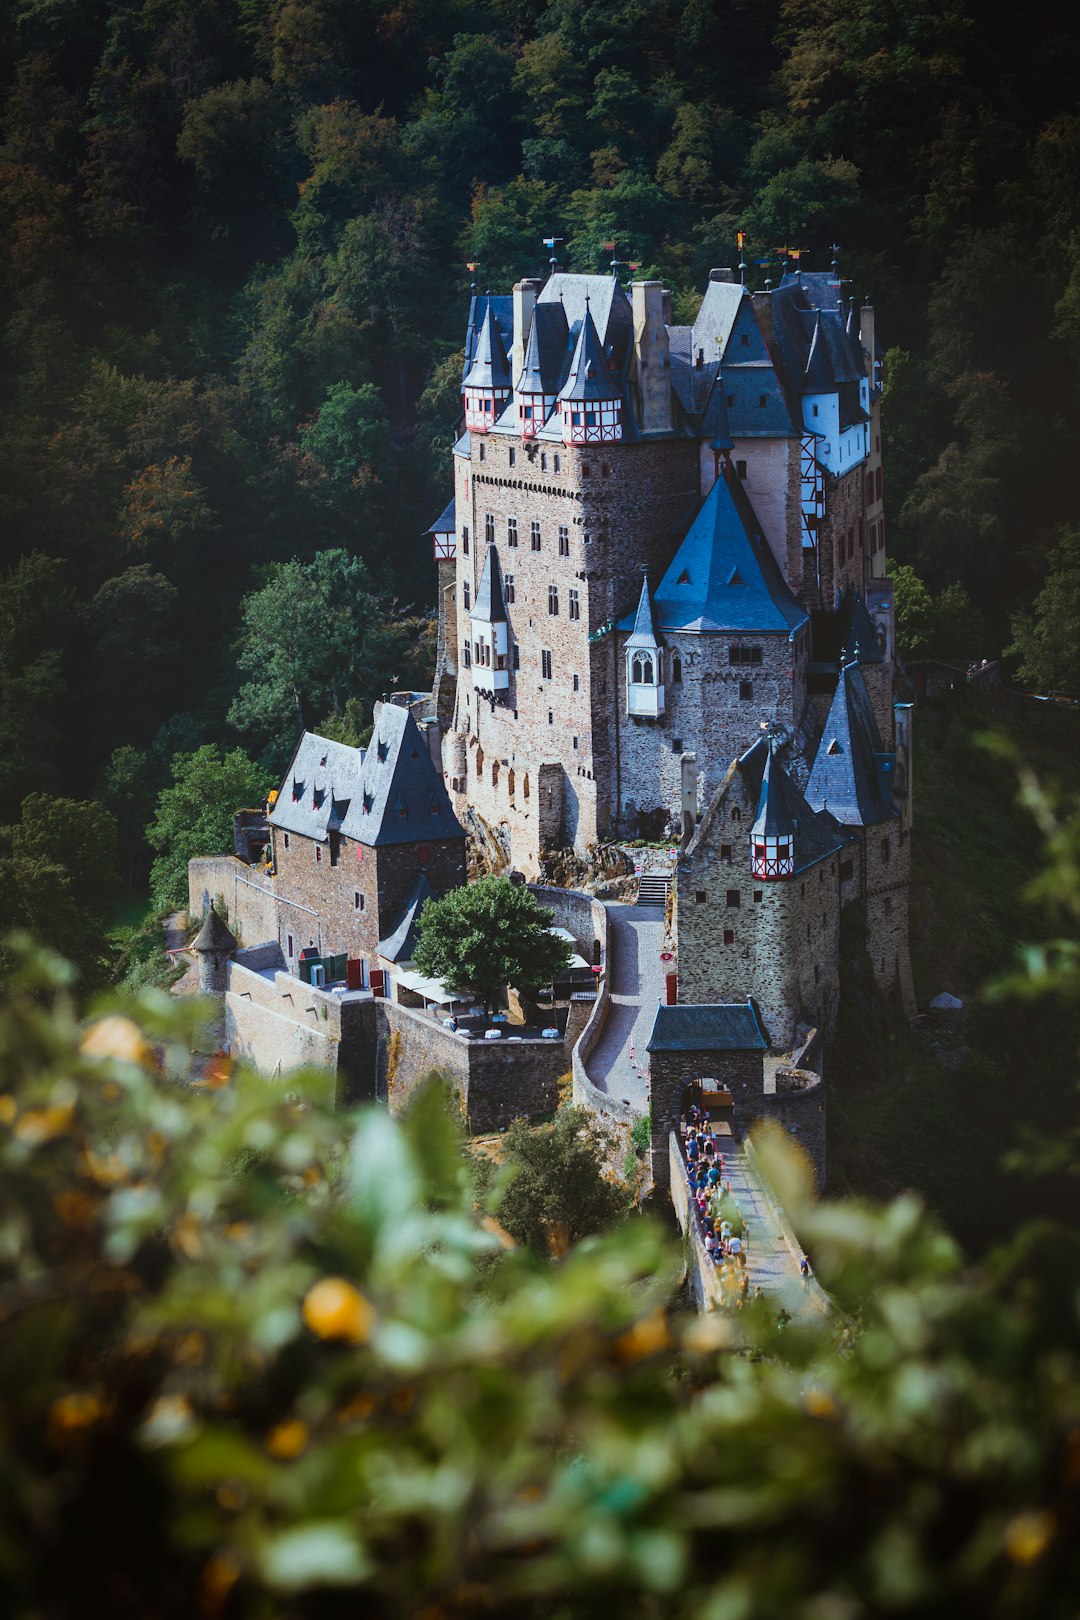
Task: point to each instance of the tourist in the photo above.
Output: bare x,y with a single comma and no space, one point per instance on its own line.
713,1176
692,1147
804,1269
735,1249
710,1243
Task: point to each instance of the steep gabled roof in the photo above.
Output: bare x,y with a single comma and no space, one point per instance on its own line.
503,310
399,944
773,818
490,368
608,304
716,318
389,793
780,805
547,352
446,522
717,1027
723,576
589,377
490,604
852,771
818,377
644,633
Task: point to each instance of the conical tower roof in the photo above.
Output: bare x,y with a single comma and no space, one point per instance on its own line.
531,379
490,369
490,605
644,632
773,819
820,377
589,377
214,935
850,775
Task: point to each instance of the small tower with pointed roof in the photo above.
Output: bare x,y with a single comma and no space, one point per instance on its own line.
486,387
644,662
213,945
772,835
590,400
490,630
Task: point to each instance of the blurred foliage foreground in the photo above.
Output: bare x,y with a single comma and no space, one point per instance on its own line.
260,1360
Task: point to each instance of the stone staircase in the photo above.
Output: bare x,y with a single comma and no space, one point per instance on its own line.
653,889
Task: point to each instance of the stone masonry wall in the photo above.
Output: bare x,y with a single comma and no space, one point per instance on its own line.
798,1104
887,873
706,713
317,900
786,947
741,1072
841,538
621,505
248,894
495,1081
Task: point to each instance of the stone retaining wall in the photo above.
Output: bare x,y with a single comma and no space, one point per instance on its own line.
247,893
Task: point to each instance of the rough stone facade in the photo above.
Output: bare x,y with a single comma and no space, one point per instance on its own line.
671,1072
603,511
842,537
777,940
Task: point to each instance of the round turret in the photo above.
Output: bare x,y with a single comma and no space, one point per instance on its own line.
213,945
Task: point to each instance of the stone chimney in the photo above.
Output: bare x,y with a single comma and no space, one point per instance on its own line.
867,336
524,303
652,357
721,275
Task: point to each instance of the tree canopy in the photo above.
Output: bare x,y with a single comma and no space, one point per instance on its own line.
487,935
194,816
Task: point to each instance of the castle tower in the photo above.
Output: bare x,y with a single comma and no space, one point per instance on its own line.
772,836
489,627
590,400
213,945
487,382
535,403
644,662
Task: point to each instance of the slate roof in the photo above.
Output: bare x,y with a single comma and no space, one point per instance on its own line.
716,318
723,576
547,352
608,305
644,632
707,1028
490,368
815,833
490,604
446,522
816,345
399,944
852,772
503,310
215,934
389,793
589,377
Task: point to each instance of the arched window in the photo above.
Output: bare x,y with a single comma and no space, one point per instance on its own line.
495,774
525,789
676,669
641,669
510,785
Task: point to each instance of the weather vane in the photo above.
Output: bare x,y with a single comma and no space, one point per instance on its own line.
552,242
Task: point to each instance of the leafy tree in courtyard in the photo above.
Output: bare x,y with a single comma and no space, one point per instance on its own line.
486,935
194,815
59,880
1046,636
314,635
558,1192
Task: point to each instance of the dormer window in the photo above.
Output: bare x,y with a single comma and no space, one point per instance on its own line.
368,801
381,751
297,791
402,807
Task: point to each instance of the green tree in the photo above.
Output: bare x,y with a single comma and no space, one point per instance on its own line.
194,814
35,615
314,635
1046,636
350,437
559,1189
59,880
486,935
128,790
945,625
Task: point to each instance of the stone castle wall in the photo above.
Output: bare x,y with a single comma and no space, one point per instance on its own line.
245,892
841,539
741,1072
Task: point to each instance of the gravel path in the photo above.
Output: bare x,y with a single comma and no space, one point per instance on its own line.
619,1063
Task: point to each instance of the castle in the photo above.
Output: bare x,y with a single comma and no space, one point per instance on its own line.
663,612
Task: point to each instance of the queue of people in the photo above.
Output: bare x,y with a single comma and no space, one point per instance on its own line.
720,1222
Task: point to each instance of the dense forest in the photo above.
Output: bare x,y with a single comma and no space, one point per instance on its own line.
235,266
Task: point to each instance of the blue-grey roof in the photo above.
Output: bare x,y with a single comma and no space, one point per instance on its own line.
852,772
589,377
819,377
783,811
503,310
446,522
708,1028
608,304
389,793
490,369
744,388
723,576
490,604
399,944
643,633
716,318
547,352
